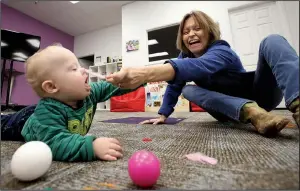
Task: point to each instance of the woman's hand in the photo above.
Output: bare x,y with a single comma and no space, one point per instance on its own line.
131,78
127,78
156,121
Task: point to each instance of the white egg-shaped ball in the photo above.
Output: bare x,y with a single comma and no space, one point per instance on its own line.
31,161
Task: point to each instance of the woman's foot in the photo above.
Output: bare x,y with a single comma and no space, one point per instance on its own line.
296,117
265,123
294,108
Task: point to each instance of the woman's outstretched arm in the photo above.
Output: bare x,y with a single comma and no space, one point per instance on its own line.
179,70
134,77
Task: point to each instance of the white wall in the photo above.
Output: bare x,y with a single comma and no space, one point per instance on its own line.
85,63
140,16
104,42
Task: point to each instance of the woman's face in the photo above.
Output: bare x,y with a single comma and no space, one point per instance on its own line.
194,37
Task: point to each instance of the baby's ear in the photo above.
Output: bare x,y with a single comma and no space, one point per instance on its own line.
49,87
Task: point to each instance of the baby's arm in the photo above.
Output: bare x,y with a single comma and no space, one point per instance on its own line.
65,145
50,127
102,91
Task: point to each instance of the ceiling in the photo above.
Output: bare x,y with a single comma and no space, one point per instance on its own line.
73,19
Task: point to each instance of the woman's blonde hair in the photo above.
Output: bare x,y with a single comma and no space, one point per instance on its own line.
205,22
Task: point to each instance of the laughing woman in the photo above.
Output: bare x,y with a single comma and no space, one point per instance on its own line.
223,87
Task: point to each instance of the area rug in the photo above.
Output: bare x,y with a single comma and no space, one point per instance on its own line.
137,120
246,160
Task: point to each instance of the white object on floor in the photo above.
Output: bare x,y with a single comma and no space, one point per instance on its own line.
32,160
199,157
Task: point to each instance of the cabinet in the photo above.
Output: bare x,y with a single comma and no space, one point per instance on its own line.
104,68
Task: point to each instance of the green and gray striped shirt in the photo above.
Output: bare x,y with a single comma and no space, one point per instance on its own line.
64,128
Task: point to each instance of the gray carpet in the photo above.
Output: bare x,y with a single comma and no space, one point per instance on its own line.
246,160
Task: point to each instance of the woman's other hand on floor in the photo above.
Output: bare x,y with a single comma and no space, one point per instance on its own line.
155,121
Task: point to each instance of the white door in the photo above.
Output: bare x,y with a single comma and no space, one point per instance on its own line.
249,26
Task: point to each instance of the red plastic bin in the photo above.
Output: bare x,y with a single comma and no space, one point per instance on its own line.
130,102
196,108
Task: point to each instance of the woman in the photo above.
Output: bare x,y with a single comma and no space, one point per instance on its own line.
223,88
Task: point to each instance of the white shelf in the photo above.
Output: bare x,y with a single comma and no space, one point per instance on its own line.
93,79
103,68
93,67
99,109
113,63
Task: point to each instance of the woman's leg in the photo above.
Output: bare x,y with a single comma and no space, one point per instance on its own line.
222,107
277,75
12,124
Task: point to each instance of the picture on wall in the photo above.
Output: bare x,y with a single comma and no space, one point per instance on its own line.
132,45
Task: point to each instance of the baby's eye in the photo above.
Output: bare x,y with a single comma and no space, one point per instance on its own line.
74,69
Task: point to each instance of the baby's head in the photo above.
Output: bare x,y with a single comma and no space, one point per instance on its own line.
55,72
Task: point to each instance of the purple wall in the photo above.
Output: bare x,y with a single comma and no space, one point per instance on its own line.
22,94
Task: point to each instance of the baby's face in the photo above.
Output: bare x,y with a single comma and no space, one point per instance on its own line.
70,78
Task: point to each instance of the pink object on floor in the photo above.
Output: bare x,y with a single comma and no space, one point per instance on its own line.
146,139
144,168
199,157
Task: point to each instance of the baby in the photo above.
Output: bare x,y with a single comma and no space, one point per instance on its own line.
63,116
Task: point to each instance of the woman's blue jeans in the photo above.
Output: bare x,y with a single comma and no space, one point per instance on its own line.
276,76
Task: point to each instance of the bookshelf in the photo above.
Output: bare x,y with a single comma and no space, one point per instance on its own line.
104,68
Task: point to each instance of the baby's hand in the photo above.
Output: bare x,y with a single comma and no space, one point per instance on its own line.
107,148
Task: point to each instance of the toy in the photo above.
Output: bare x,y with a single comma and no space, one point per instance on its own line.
200,157
31,161
146,139
144,168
